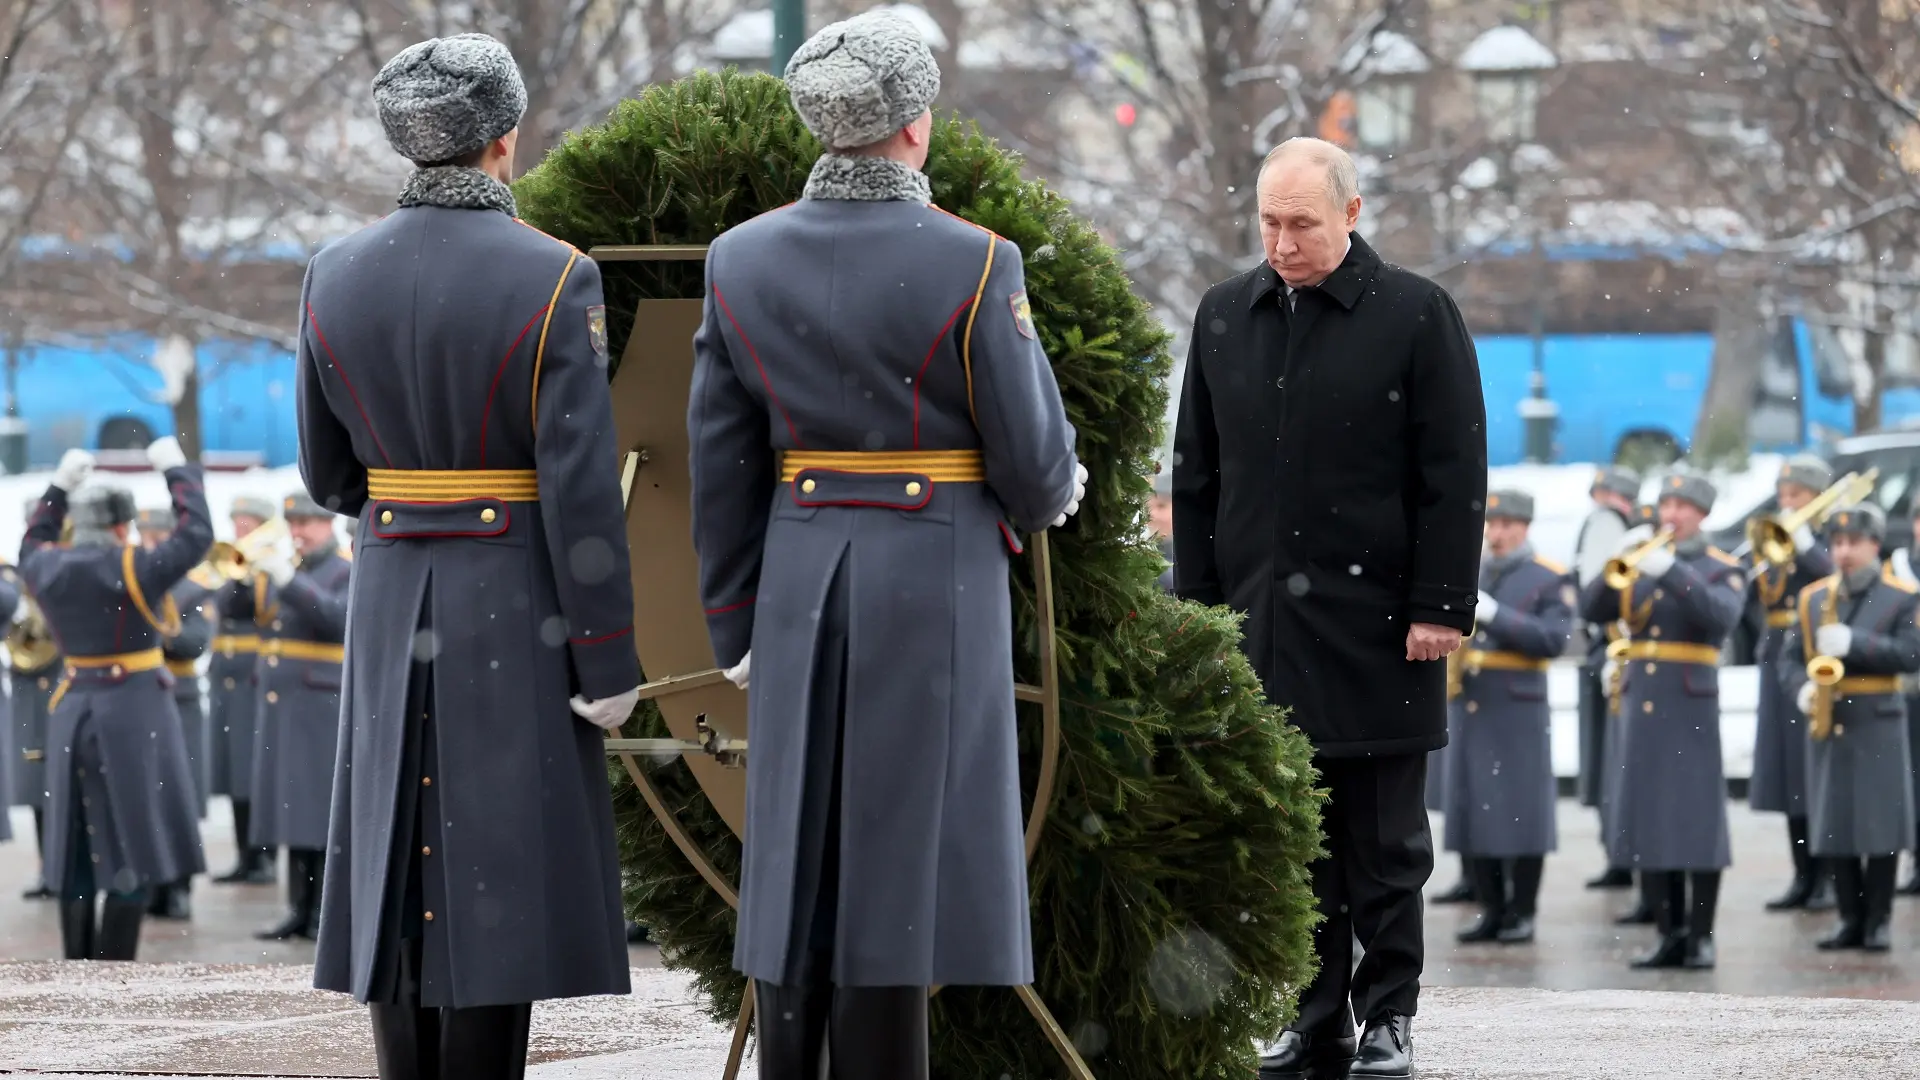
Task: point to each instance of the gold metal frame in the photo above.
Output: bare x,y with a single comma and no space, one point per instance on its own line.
650,408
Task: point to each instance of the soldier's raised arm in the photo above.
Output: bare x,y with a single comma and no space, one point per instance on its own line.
733,481
1024,433
171,559
44,523
332,472
578,459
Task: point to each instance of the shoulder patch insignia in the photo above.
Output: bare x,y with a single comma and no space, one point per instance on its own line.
597,329
1022,315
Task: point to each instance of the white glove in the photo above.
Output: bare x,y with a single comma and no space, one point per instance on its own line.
1079,492
277,562
1487,608
737,674
164,454
75,466
1803,539
1634,537
20,612
1607,671
1833,640
1655,564
607,713
1804,699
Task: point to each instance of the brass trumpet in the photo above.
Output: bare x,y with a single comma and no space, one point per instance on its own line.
1771,538
235,561
1623,569
30,641
1825,672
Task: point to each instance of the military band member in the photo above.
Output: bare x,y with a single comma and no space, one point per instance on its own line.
1612,492
1779,780
1859,781
233,690
302,617
185,631
120,814
884,850
1646,907
33,669
1667,808
1500,784
472,867
1905,567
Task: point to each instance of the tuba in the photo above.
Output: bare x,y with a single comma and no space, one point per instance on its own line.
1622,570
1771,538
234,561
1825,672
30,641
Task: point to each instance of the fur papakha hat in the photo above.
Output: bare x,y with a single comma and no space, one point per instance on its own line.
859,80
444,97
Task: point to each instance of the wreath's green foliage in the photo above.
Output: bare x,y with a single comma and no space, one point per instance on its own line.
1172,911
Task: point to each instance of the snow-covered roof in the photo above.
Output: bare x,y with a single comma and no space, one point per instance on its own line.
1386,53
1506,48
746,36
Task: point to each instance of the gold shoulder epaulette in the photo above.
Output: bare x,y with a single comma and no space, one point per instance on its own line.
1722,556
1887,575
1551,565
548,235
204,576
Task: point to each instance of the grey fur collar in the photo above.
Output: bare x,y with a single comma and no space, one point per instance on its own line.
866,179
459,188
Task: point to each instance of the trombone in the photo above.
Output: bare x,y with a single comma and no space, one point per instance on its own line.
1623,569
235,561
1771,538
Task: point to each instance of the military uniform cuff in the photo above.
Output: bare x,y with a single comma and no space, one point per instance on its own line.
731,631
606,665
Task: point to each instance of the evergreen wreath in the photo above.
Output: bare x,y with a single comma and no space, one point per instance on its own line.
1172,910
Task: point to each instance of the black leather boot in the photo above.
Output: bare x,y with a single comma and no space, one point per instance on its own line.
1849,883
1462,891
1800,890
1824,897
1670,888
406,1041
1614,877
39,890
316,882
76,928
244,864
171,901
878,1033
1526,873
120,919
1646,905
1911,886
1490,888
1706,902
299,888
1297,1055
1386,1048
1877,903
488,1042
792,1023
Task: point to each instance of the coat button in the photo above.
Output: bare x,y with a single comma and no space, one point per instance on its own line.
386,517
273,661
1653,631
426,851
1659,594
487,515
43,682
429,916
1473,706
1646,706
426,781
913,487
1652,667
807,486
228,682
276,624
115,671
272,698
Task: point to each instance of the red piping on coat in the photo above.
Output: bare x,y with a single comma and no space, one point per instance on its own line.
924,364
506,519
730,607
601,638
1012,544
348,383
497,373
751,351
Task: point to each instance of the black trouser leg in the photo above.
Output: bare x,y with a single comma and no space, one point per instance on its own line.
1877,902
1668,890
120,917
38,890
406,1037
316,871
1324,1007
1391,858
488,1042
1705,886
1804,868
792,1023
879,1033
1527,872
300,882
77,891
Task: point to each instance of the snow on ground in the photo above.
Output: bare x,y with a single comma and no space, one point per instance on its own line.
149,491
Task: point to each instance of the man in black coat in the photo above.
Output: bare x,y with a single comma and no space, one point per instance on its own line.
1330,467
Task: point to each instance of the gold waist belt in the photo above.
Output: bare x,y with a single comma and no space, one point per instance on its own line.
1485,660
234,644
453,485
324,651
1677,652
1868,684
943,466
184,668
1779,620
115,664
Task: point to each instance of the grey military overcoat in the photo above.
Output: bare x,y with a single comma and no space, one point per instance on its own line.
115,730
1779,780
1500,783
463,340
1859,784
298,705
183,649
233,690
876,606
32,689
1666,803
10,599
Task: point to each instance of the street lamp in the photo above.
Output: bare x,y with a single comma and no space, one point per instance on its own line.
789,30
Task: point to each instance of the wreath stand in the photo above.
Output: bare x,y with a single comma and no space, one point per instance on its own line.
707,715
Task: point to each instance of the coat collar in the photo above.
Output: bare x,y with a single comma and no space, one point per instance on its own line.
1343,286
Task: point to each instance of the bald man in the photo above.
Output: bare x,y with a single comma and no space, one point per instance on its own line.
1330,466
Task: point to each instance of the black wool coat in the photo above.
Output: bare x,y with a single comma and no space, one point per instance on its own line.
1329,480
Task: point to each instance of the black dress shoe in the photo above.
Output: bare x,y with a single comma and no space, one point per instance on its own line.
1911,886
1518,930
1822,898
1849,934
1700,952
1386,1048
295,925
1795,897
1613,878
1671,952
1461,893
1878,937
1295,1055
39,891
1484,928
1641,914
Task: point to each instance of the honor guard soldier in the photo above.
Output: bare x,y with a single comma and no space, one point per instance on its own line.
233,690
471,875
863,580
185,632
1905,567
1854,635
33,666
12,608
1500,784
120,808
1613,492
302,618
1779,780
1667,817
